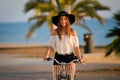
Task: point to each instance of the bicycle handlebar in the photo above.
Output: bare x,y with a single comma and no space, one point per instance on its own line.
63,63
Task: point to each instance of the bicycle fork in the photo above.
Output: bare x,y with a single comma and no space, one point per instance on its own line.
63,72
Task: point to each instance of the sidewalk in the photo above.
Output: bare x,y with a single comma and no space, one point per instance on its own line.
18,59
15,67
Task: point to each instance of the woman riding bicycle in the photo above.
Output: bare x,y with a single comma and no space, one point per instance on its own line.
64,40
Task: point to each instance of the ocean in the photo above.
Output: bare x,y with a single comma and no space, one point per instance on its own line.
16,32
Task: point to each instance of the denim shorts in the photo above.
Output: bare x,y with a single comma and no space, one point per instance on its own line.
63,58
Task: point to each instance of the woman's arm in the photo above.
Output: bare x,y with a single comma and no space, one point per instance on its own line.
77,52
48,52
50,48
77,49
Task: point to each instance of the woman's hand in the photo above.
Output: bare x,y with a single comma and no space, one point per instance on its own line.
47,59
82,60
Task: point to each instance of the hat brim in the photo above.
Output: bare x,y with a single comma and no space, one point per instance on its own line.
71,17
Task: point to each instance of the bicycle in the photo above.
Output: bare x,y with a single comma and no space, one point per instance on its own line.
63,70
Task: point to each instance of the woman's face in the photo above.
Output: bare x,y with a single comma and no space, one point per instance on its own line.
63,21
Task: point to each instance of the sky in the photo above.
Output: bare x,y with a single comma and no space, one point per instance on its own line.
12,10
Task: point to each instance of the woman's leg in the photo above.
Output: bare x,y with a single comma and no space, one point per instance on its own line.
73,71
56,72
56,67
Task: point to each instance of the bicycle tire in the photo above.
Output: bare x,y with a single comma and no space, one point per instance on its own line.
58,77
68,77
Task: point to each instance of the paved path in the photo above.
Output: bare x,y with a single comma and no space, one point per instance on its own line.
15,67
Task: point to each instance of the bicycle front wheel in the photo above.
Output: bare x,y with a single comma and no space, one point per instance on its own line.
68,70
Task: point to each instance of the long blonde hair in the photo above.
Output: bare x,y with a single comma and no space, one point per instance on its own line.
67,28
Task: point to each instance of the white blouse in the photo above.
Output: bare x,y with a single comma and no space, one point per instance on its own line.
66,45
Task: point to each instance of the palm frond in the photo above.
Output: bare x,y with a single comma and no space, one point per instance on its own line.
33,27
45,7
58,6
108,52
78,16
117,17
100,19
51,14
90,11
89,8
30,5
78,5
71,2
62,4
113,32
98,6
38,17
45,11
114,46
85,27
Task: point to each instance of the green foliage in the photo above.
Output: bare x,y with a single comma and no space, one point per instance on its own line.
30,5
114,46
117,17
78,8
113,32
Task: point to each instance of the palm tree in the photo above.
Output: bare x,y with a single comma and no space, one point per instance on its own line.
45,11
114,46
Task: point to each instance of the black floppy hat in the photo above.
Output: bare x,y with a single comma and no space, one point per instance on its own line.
71,17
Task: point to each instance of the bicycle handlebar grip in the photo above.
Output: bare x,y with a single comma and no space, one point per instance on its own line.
49,59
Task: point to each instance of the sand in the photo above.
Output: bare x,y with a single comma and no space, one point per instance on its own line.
38,51
34,50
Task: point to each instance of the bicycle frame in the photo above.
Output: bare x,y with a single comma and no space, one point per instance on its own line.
64,70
